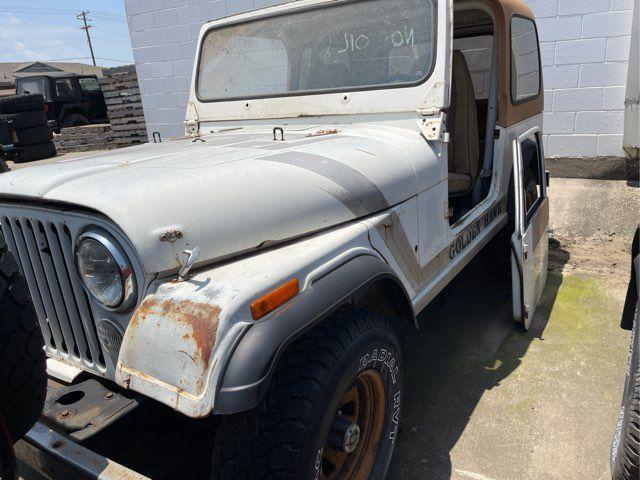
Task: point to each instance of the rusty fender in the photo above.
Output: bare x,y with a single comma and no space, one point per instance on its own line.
194,346
172,348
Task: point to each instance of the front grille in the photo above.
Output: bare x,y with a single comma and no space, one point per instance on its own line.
44,249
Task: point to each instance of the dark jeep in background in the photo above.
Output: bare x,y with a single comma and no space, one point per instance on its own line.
71,100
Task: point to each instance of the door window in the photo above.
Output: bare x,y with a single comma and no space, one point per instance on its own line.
525,60
89,85
532,175
64,88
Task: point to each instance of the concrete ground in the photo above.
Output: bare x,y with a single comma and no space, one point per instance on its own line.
485,401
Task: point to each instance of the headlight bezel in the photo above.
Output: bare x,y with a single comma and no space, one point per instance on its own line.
125,268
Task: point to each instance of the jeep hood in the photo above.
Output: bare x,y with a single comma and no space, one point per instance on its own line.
235,191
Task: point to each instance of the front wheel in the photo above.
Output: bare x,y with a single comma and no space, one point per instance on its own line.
331,411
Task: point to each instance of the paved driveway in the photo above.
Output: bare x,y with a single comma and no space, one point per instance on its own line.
487,401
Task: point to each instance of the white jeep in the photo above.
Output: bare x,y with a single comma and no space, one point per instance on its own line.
342,162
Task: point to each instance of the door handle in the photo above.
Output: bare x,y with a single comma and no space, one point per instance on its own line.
525,251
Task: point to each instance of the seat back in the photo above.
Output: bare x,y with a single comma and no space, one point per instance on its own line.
464,146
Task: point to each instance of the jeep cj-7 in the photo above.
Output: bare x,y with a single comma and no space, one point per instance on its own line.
342,162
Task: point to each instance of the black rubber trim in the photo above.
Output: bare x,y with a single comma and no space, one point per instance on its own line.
520,279
634,285
248,373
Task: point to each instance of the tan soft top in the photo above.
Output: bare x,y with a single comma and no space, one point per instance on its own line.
509,113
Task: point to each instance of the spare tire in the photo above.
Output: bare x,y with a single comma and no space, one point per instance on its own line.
37,151
22,103
25,119
33,135
23,367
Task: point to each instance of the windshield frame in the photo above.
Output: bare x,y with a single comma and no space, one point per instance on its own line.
304,93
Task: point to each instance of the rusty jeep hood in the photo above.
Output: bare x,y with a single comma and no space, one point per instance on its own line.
235,191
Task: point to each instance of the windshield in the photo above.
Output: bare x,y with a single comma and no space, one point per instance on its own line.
355,45
30,85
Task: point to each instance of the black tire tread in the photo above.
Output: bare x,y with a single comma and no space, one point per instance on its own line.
22,357
25,119
34,135
37,151
22,103
259,443
630,434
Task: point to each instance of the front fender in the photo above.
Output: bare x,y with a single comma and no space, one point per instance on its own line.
252,365
185,337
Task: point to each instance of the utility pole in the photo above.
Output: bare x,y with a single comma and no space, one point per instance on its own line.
83,16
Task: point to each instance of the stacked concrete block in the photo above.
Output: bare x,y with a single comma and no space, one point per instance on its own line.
124,106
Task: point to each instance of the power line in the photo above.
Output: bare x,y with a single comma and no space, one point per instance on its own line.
61,11
83,16
86,58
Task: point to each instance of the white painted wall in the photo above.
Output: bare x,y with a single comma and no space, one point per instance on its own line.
584,46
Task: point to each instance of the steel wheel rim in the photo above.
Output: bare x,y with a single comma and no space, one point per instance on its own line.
362,403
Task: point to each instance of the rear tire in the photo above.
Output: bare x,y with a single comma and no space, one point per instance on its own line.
625,451
38,151
22,103
345,372
22,359
74,120
496,255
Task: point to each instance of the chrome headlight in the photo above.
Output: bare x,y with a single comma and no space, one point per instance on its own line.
105,270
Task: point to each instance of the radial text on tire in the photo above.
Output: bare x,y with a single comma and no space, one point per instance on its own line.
332,409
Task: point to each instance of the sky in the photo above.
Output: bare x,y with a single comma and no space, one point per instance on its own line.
47,30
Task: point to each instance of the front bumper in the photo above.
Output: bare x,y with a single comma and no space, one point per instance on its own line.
56,457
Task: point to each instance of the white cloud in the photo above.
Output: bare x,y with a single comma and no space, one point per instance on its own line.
12,19
22,40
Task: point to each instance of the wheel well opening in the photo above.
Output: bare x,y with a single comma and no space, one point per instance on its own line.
386,298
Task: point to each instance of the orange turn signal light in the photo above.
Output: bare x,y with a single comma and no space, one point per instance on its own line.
272,300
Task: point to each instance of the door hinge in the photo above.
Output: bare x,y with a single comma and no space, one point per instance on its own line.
434,127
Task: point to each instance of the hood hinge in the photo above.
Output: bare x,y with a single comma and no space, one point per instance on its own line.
192,122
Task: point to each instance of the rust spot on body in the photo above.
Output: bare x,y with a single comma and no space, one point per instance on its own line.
202,320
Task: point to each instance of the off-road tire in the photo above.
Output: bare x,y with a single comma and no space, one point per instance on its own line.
22,103
74,120
34,135
284,436
625,451
38,151
22,359
25,119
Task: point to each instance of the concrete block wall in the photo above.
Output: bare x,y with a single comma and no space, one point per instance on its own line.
584,49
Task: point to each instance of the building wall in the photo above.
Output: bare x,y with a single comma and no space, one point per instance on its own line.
584,47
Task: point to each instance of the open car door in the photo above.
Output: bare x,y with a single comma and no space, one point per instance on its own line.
530,240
